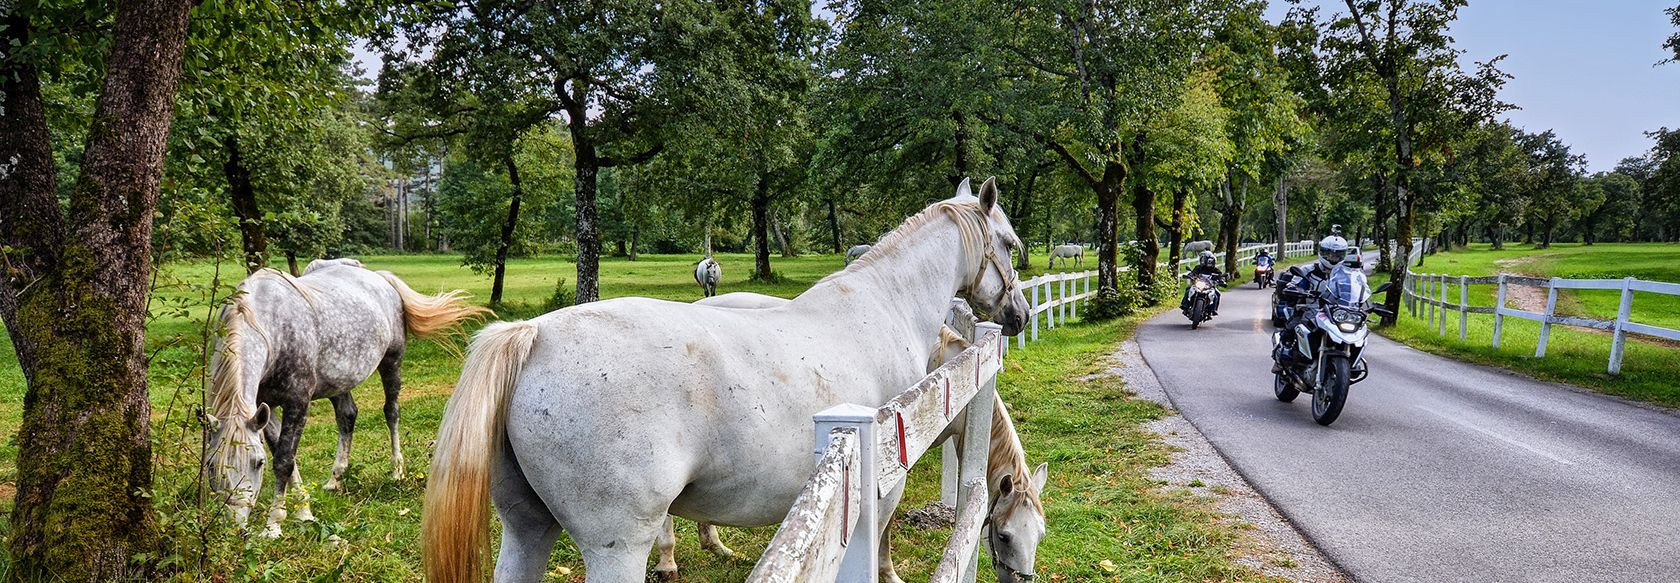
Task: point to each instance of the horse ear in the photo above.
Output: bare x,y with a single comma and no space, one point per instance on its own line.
212,422
988,194
260,418
1005,486
963,190
1040,476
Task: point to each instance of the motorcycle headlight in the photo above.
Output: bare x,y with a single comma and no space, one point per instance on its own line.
1347,319
1348,327
1200,284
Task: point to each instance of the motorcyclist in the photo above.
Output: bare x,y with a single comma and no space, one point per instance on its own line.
1264,259
1300,281
1204,266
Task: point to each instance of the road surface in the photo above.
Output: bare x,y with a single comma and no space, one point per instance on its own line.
1436,470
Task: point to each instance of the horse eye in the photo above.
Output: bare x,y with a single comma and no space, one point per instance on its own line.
1003,538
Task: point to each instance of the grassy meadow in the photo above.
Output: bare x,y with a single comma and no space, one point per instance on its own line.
1573,355
1102,507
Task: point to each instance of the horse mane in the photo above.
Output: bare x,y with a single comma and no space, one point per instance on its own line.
226,399
965,212
1007,457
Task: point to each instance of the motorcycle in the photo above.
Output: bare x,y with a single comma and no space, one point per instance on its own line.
1262,275
1203,292
1328,354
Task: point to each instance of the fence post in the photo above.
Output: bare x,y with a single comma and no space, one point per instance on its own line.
1463,306
978,432
1442,297
1407,290
1428,295
1546,324
1498,318
1066,307
1034,317
1050,298
1618,339
861,560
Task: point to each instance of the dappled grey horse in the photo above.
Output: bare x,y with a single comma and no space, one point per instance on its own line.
600,419
286,341
708,273
855,252
1066,252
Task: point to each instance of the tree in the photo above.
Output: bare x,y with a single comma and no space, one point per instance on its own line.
1673,42
1608,204
1553,173
74,290
1085,81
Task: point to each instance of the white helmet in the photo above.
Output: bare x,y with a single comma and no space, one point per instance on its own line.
1331,251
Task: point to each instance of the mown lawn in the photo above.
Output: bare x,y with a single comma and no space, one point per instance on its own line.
1101,505
1576,356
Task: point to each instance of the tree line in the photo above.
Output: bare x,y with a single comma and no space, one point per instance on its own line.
152,130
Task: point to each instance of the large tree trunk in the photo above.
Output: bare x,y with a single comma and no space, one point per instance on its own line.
783,238
1546,231
1280,200
1175,231
1230,221
761,230
508,226
1021,216
588,236
1143,211
252,236
635,241
834,226
73,296
1108,190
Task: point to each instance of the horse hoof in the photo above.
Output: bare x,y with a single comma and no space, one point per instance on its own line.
305,515
670,575
272,532
334,486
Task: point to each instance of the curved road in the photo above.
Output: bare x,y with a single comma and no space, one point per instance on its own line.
1437,470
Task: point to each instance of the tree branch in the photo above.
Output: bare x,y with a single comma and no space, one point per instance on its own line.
645,155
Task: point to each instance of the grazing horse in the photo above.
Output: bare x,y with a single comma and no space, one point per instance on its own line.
602,418
856,252
1194,248
708,273
1065,252
287,341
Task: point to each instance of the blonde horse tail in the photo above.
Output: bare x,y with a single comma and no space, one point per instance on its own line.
455,521
433,316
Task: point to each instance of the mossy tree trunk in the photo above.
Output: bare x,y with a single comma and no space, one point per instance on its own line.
73,297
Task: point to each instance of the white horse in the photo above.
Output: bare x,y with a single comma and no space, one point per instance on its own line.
708,273
856,252
1193,248
1016,516
600,419
1065,252
287,341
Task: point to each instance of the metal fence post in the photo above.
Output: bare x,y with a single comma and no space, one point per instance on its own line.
1463,306
1498,318
978,432
1546,324
1618,339
861,563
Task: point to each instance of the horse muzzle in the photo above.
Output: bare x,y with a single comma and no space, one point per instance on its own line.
1013,321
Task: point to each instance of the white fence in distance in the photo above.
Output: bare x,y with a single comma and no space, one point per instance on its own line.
1426,293
832,532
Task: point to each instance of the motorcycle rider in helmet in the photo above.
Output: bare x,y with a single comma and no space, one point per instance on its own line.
1299,281
1204,266
1264,259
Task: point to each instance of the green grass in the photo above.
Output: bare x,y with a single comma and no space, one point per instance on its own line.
1101,504
1572,355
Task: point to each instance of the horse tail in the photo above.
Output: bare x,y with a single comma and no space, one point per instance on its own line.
455,520
433,316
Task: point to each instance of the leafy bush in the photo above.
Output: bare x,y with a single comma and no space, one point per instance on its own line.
561,298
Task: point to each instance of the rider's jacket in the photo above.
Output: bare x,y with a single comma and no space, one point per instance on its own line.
1301,279
1263,261
1204,270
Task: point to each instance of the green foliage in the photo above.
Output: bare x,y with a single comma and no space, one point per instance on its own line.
561,297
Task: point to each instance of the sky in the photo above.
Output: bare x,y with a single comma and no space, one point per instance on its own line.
1582,68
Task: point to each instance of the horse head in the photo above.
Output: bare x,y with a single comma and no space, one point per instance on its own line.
1015,525
234,466
994,289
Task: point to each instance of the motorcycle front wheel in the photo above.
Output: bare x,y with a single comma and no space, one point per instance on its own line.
1330,396
1282,389
1198,309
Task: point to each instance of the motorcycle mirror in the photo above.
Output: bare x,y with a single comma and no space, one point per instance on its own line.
1382,310
1382,288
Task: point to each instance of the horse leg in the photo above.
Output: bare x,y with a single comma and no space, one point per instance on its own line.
285,461
884,565
528,527
709,540
390,374
344,409
667,544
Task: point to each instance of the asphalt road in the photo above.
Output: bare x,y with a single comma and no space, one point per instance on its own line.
1436,470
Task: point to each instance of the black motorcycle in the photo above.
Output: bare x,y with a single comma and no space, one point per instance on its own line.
1329,343
1203,293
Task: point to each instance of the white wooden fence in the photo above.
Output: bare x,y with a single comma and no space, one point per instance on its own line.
1426,293
832,532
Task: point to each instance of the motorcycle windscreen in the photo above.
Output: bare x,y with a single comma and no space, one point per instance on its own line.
1348,287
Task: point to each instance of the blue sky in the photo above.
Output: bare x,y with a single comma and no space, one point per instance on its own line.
1582,68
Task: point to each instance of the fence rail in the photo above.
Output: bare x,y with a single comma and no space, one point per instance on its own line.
832,532
1426,298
